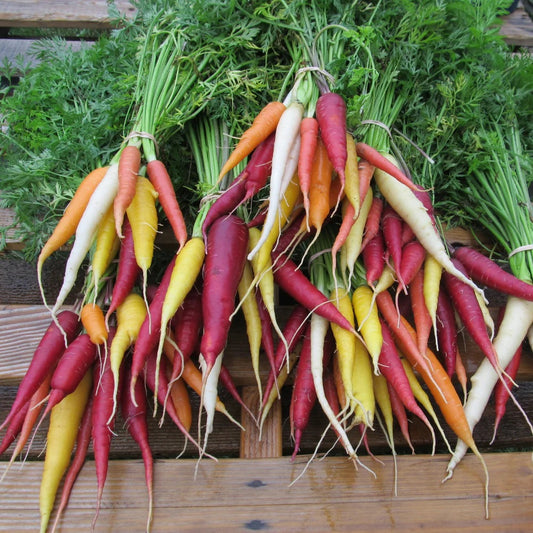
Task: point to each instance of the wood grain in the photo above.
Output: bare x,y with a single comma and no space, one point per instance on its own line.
244,495
60,13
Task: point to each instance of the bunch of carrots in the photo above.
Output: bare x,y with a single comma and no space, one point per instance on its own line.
373,327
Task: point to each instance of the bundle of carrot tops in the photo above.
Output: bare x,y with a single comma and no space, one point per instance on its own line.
324,189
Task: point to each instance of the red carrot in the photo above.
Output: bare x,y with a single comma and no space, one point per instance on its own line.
467,306
267,336
127,271
294,282
79,356
392,234
14,427
187,329
401,416
158,175
374,258
293,332
484,270
45,357
259,167
134,414
148,337
391,367
413,256
103,422
331,116
380,161
227,246
446,331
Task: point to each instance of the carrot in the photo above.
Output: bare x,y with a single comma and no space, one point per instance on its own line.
77,359
14,428
66,227
96,208
93,320
127,271
484,270
513,329
373,255
421,316
432,277
129,164
131,314
318,328
467,306
175,286
309,140
48,352
413,212
366,172
82,445
501,392
267,335
345,340
351,249
351,172
363,403
63,429
259,167
348,220
262,126
383,164
293,330
150,328
331,116
187,329
321,177
392,234
179,395
366,314
105,250
295,283
413,256
284,163
373,220
447,331
227,244
252,319
142,214
160,179
134,413
398,410
106,388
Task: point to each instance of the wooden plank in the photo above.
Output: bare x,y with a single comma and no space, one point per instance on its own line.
60,13
30,323
244,495
517,28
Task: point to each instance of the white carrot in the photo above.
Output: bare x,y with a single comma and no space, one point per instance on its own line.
319,328
287,137
413,212
100,201
513,329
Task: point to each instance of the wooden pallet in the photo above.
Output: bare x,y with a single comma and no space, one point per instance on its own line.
249,487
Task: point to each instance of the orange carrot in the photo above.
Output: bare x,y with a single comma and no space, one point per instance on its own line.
93,320
366,171
308,144
262,126
128,169
158,175
321,176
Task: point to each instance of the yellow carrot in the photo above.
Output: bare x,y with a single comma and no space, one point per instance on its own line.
253,322
364,404
432,276
142,216
366,314
65,420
